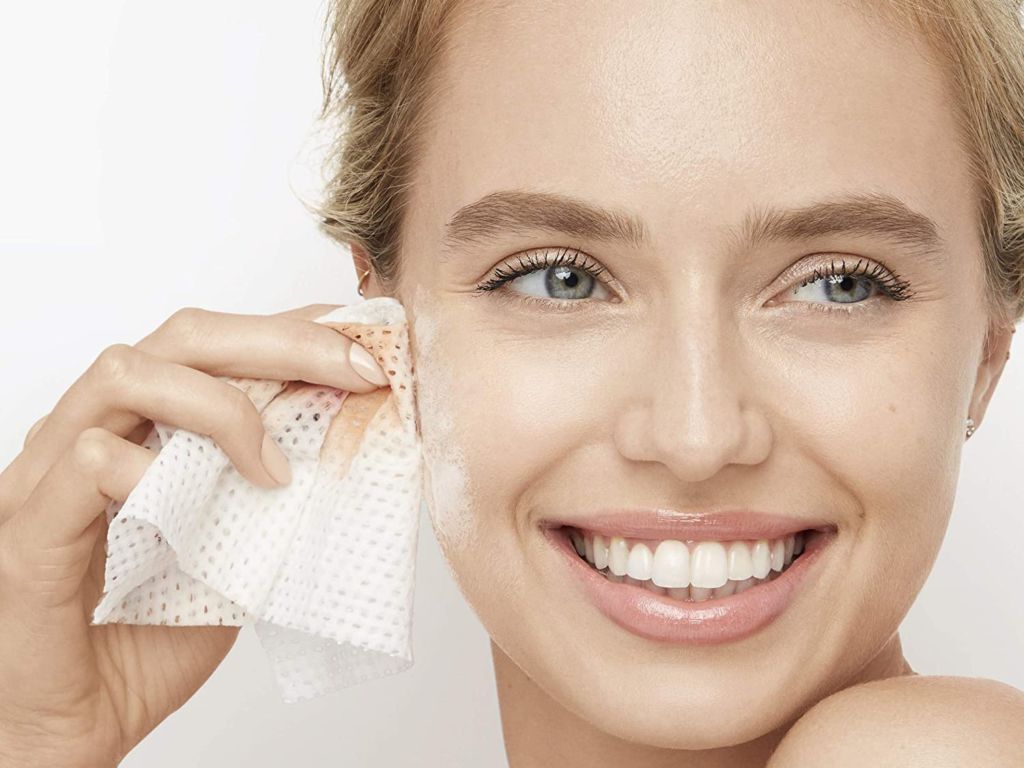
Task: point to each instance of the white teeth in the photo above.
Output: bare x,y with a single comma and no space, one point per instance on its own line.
689,571
740,565
761,558
640,562
708,566
618,556
671,564
778,554
600,552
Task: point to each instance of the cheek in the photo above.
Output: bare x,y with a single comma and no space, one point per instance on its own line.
446,477
882,425
891,435
496,412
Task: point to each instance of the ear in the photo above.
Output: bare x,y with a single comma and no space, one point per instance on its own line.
362,264
994,357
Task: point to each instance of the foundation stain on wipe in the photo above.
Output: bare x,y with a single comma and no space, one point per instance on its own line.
445,467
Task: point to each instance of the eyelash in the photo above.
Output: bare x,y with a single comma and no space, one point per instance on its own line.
890,284
566,256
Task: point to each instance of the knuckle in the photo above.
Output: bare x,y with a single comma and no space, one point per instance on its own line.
186,322
115,363
240,410
91,452
312,343
309,337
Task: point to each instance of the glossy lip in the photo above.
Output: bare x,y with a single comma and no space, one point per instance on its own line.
719,525
708,622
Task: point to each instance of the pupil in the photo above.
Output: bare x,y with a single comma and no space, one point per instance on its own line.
564,282
844,288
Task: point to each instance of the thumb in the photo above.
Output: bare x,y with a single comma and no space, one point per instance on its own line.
46,547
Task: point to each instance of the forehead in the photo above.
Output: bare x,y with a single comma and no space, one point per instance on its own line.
688,107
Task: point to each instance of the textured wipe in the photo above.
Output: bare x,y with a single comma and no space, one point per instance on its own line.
324,567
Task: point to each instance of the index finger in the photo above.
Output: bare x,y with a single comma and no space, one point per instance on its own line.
286,346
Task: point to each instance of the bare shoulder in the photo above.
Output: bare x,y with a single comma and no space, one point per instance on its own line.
910,721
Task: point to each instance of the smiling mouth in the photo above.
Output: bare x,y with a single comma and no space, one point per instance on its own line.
690,571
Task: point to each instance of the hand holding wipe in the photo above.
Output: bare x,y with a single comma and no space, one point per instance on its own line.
323,566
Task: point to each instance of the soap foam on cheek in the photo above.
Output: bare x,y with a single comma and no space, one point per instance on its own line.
447,485
453,508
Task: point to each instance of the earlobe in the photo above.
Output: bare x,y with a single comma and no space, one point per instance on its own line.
364,271
997,353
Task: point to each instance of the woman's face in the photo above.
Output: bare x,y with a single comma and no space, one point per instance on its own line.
679,364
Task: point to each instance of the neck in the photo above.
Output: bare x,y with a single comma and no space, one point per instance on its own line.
540,732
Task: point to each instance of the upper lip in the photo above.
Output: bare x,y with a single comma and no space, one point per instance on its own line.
696,525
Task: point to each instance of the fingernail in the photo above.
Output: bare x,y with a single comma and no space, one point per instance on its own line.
275,462
366,366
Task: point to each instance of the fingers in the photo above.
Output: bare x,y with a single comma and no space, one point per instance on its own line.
46,547
289,346
125,387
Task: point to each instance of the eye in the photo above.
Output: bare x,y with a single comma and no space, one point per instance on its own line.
839,284
562,275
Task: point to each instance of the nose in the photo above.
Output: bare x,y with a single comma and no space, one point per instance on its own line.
694,404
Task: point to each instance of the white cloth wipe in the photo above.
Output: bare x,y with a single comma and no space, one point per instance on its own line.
323,567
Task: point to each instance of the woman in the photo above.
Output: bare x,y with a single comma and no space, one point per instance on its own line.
694,289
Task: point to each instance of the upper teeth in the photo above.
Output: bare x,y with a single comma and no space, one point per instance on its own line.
706,564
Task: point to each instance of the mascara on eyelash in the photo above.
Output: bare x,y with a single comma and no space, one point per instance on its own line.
890,284
566,256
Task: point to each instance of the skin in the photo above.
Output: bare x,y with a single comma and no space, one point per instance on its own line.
695,388
903,722
82,695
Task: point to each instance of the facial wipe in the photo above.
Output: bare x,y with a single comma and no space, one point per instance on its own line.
323,567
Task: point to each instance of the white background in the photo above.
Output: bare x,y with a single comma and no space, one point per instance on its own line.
151,157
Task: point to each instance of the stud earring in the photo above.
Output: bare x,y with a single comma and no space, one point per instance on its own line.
970,427
359,285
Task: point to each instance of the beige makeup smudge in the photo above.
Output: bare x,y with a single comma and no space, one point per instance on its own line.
445,468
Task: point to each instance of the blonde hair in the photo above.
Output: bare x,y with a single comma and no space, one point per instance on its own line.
379,76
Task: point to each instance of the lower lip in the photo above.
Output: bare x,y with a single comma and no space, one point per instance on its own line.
707,622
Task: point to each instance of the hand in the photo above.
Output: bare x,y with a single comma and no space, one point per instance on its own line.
72,694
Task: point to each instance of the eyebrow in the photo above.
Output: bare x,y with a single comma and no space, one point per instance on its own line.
875,214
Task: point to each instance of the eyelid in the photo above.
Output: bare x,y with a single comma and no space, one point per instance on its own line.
537,259
889,282
890,287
